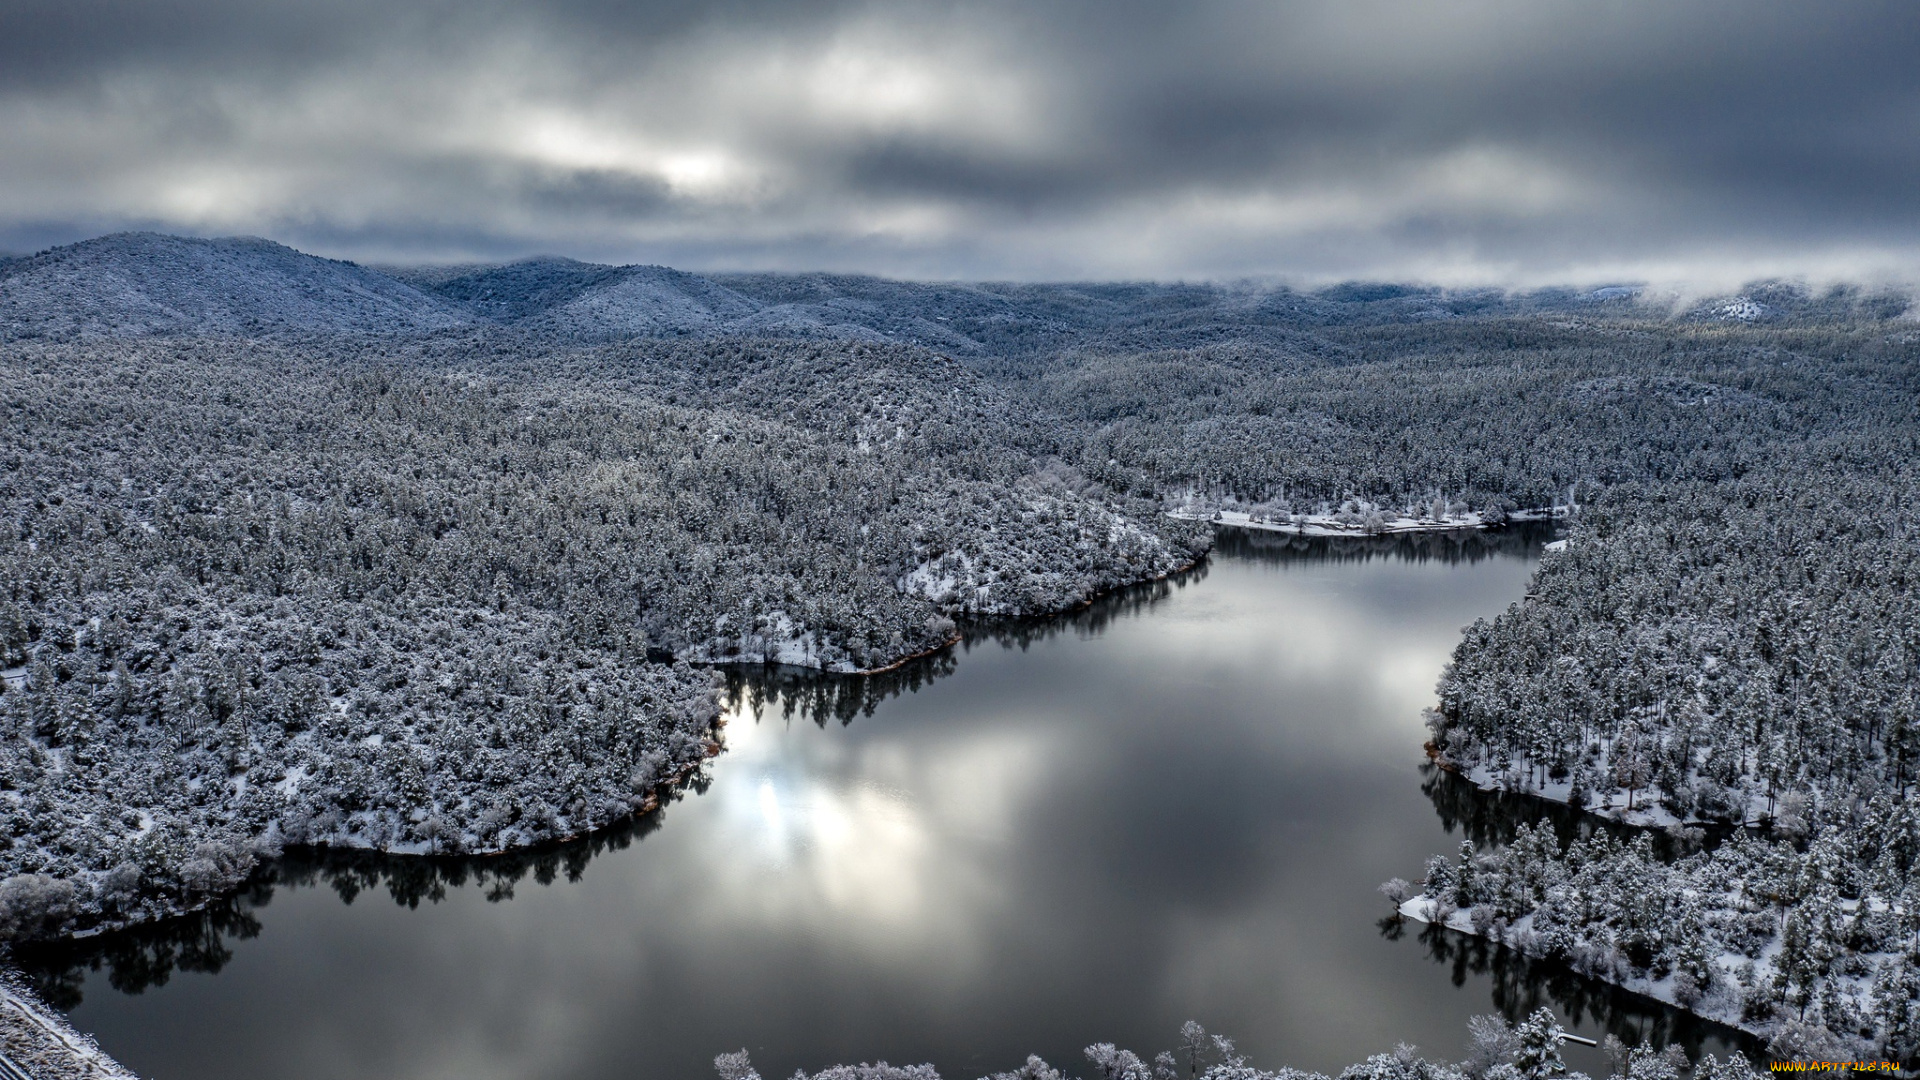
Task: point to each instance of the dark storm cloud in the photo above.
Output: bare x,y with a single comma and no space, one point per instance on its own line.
1465,141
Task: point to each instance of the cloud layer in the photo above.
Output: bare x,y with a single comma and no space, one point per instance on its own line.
1503,142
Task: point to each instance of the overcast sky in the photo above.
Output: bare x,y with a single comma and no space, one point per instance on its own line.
1499,142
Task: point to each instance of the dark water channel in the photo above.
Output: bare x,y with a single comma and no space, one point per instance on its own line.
1176,804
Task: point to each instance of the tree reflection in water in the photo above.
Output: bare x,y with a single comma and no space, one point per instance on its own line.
1521,983
148,955
1446,546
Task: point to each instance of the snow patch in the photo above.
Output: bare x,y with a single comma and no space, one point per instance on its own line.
291,782
1742,309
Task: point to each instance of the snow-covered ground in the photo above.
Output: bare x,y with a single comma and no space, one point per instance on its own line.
1755,932
780,640
1743,309
1336,525
40,1042
1721,1005
1644,810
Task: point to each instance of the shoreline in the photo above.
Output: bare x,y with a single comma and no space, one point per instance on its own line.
1652,815
1721,1004
39,1042
647,804
1329,525
959,636
1421,909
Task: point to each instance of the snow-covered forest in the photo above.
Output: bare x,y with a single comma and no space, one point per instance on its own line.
259,594
1497,1050
1727,647
298,552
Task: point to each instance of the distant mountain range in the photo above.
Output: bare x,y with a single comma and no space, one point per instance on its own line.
133,284
137,284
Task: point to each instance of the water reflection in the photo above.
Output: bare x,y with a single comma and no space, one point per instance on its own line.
1175,803
1521,984
1493,818
145,957
812,695
1521,539
819,697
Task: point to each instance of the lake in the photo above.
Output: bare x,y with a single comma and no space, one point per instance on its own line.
1175,804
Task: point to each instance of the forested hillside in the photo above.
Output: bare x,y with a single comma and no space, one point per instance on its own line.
1491,413
256,594
1732,646
137,284
301,552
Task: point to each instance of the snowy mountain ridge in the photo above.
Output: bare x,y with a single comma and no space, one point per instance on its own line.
141,284
138,284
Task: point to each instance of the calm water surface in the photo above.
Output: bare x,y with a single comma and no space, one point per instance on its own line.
1175,805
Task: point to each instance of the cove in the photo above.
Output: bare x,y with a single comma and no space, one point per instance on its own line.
1174,804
